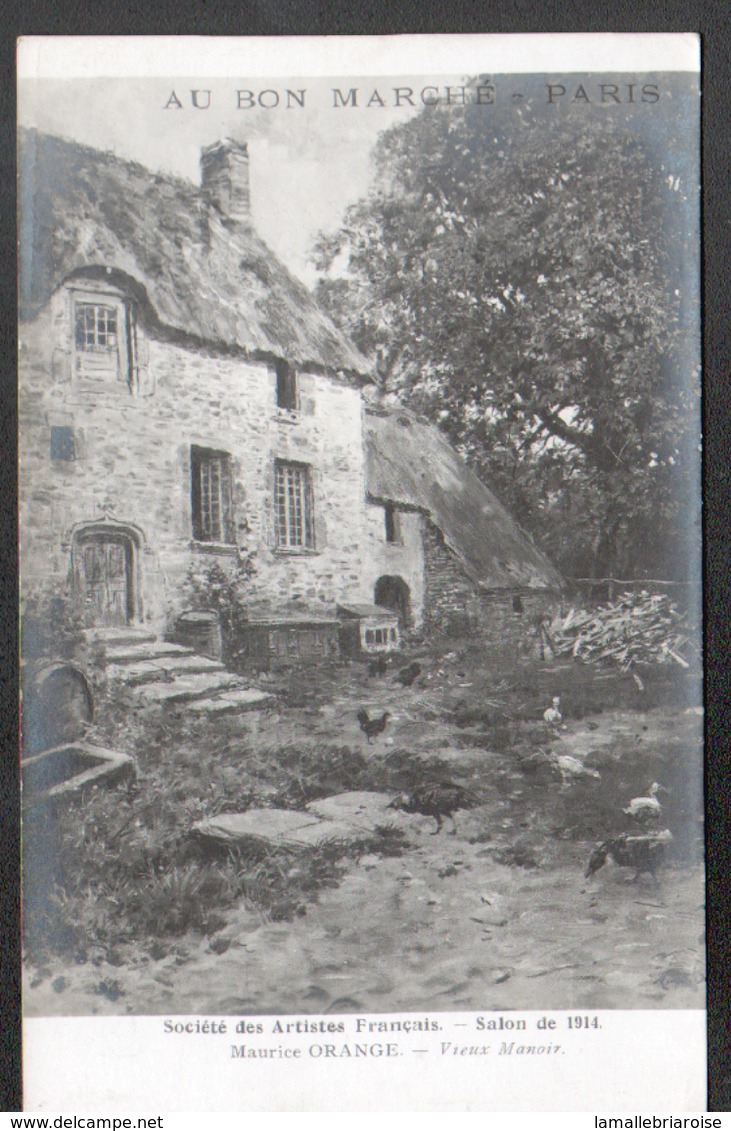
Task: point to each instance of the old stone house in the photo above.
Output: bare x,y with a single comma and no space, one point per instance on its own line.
184,402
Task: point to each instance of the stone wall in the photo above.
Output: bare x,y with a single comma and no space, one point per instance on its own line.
402,558
452,604
455,607
132,451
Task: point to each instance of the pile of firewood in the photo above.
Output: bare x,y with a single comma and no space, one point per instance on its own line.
636,628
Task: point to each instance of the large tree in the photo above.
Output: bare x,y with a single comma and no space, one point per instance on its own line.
518,286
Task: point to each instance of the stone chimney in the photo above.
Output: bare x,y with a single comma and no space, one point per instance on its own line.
225,180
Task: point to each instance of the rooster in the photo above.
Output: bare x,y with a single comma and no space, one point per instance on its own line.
644,853
438,801
408,674
372,727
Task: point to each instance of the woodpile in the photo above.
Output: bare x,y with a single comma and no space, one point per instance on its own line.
636,628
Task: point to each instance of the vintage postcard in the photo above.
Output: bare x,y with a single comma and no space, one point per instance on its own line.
360,543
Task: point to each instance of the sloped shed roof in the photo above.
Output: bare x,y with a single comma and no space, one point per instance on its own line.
198,276
412,464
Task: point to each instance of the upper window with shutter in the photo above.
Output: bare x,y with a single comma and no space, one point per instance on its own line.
287,393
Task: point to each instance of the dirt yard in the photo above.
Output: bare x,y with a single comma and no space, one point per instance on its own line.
498,916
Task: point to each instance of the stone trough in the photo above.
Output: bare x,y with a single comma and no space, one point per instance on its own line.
66,772
347,817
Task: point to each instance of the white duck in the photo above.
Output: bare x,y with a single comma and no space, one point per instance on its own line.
645,810
553,715
572,768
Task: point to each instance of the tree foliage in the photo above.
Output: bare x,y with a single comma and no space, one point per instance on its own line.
519,288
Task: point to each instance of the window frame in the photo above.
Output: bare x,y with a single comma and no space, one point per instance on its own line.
109,368
284,472
218,489
392,524
286,387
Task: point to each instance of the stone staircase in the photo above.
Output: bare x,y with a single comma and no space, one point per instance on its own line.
170,674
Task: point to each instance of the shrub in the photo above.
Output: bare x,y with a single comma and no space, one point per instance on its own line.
211,588
51,625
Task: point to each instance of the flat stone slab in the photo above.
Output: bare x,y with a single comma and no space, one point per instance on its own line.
146,671
139,672
314,836
242,699
362,809
280,826
346,817
185,687
129,653
114,636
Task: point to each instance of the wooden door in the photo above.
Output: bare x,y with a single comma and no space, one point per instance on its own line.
104,578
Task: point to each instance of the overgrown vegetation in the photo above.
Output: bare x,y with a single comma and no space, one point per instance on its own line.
122,867
211,588
122,871
51,625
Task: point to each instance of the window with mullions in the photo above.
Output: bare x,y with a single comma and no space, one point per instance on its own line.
293,507
104,339
211,495
96,327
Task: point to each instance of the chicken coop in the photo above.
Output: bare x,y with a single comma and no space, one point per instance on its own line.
277,641
366,630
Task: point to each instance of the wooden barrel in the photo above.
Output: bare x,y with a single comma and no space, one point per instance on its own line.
201,632
57,704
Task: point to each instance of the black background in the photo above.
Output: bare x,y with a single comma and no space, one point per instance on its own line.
381,17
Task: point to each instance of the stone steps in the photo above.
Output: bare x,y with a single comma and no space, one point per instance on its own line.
121,636
181,689
163,673
162,668
152,650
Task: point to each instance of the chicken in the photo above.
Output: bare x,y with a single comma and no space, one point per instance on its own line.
379,666
408,674
438,801
553,715
372,727
644,853
645,810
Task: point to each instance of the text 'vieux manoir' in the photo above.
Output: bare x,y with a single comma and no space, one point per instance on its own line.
353,98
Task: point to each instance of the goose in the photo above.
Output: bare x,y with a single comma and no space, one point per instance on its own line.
645,810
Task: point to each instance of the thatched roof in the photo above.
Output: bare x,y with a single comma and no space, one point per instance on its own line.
197,276
411,464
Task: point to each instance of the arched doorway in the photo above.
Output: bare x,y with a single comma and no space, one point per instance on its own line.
393,593
104,567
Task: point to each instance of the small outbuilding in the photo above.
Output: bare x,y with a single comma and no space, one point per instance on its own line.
368,630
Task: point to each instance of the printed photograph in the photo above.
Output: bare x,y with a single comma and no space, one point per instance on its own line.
360,544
